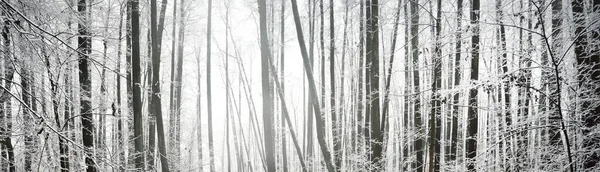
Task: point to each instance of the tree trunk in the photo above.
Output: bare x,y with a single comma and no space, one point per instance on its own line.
309,131
282,70
335,122
505,115
85,79
435,118
173,86
27,82
137,92
199,112
6,130
119,125
32,140
346,118
407,91
151,119
227,89
5,112
322,53
418,122
373,83
471,142
129,84
156,99
456,82
361,72
176,117
150,154
266,89
208,88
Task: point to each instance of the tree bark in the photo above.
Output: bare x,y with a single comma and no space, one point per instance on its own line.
266,89
335,123
173,86
129,73
150,154
434,118
373,83
472,115
456,82
119,125
176,117
85,79
361,86
418,122
137,93
156,98
5,112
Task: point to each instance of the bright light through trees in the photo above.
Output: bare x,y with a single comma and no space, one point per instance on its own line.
299,85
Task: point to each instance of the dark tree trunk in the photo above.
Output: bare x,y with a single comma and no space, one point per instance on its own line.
85,79
150,154
156,31
407,91
137,92
505,115
435,127
6,130
456,82
418,122
129,77
361,86
322,53
6,147
27,96
373,83
472,115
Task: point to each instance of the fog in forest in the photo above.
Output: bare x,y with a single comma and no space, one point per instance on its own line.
299,85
